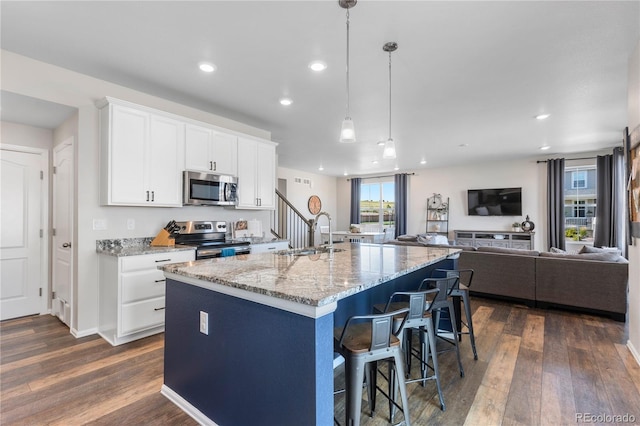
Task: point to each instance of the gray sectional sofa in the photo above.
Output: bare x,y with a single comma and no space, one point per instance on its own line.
593,281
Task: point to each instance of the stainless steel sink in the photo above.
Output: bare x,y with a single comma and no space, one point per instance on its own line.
307,251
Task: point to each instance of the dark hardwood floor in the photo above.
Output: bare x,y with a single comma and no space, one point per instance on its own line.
535,367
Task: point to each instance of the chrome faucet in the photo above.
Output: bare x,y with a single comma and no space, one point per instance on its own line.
315,226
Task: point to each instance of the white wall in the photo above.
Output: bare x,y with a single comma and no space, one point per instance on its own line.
634,250
322,186
20,134
453,182
39,80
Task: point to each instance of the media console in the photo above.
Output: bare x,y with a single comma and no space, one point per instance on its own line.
507,239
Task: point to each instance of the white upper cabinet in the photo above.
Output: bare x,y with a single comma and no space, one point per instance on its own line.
256,174
142,156
211,151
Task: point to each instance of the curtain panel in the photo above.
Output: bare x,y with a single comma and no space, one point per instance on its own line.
355,200
555,203
610,213
401,191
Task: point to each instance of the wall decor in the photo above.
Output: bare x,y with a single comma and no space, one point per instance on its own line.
632,142
314,204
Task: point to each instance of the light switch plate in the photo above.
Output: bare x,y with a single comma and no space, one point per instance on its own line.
131,224
99,224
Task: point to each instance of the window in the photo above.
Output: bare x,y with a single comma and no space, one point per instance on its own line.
579,179
377,205
580,201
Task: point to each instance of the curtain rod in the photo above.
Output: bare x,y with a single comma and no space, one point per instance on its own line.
569,159
583,158
383,176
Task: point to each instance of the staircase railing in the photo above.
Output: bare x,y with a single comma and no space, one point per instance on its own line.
288,223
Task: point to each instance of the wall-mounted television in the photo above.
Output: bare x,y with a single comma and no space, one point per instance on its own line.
495,202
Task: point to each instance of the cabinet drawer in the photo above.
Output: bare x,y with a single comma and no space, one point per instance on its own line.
142,315
464,241
142,285
500,243
151,261
526,245
263,248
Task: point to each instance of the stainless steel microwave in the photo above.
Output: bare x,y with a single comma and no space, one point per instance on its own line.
206,189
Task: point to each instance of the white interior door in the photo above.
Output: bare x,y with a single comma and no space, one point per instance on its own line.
63,236
21,246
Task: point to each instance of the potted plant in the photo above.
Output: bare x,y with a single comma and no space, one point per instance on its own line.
515,226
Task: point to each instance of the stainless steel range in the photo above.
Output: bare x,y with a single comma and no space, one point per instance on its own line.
209,238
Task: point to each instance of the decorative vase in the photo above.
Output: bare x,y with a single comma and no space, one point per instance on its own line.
527,225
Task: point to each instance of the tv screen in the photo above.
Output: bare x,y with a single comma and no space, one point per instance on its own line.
495,202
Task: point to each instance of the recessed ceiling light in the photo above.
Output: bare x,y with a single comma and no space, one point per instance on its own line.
374,162
396,168
463,145
542,116
207,67
321,168
285,101
318,66
423,162
346,174
545,147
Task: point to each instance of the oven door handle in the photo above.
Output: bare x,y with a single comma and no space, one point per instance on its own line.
204,253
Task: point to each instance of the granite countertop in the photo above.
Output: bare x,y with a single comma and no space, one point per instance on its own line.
134,247
314,280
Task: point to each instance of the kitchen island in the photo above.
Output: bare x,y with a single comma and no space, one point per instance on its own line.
264,355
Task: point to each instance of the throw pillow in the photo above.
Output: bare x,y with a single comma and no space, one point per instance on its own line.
407,238
589,249
432,239
556,250
504,250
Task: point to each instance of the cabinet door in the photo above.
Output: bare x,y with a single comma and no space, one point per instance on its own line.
247,170
129,130
198,146
165,153
266,176
225,154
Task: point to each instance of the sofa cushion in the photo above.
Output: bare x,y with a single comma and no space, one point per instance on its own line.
557,250
602,257
521,252
407,237
463,248
590,249
432,239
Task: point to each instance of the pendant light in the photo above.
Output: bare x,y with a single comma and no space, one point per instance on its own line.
347,132
389,146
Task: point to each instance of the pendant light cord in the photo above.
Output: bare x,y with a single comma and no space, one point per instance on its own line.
347,115
389,94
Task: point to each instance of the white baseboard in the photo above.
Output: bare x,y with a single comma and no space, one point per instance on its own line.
185,406
633,351
84,333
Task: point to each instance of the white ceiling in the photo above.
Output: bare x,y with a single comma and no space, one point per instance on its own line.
465,73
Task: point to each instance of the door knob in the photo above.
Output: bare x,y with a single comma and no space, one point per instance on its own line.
66,245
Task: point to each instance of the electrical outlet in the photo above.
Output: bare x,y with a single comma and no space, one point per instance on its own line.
204,322
131,224
99,224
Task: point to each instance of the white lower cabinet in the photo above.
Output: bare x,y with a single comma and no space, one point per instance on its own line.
132,295
269,247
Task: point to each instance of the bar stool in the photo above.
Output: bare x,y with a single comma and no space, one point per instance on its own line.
420,318
364,340
443,301
465,276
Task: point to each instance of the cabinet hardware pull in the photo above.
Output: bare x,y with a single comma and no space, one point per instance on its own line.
210,165
158,309
153,195
162,260
215,166
147,195
160,281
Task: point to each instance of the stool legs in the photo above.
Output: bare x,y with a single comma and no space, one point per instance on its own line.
467,312
428,348
454,332
354,375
